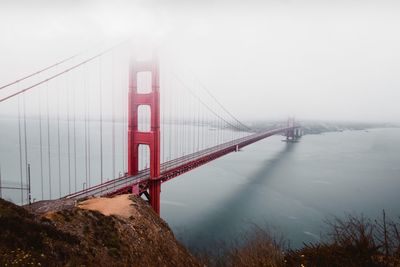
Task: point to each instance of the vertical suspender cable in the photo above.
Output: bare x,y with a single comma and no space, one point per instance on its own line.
206,136
181,140
58,142
170,117
219,131
184,120
202,123
175,129
203,127
74,125
163,124
86,130
217,120
179,123
68,141
190,135
124,108
122,118
113,114
214,119
198,126
41,144
101,122
20,149
184,124
192,123
178,143
178,128
175,147
189,125
48,137
25,137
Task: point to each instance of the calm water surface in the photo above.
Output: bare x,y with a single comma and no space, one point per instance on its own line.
289,187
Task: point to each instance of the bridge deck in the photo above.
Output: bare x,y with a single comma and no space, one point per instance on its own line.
172,168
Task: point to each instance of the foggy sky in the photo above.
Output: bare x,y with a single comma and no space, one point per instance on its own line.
329,60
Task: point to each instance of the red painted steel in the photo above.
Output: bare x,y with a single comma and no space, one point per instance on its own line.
173,168
138,182
151,138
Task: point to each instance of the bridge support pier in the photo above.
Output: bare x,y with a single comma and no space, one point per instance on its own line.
293,133
297,133
155,192
150,138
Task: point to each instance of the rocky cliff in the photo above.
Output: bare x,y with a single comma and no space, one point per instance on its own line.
121,231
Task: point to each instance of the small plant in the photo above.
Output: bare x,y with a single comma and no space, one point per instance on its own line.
352,241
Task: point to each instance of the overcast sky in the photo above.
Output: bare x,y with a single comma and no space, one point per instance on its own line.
329,60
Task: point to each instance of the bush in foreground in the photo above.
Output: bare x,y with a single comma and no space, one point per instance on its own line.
352,241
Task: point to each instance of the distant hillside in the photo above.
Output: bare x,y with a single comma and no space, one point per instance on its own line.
317,127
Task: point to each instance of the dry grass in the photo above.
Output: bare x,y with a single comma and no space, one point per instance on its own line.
259,250
351,241
253,248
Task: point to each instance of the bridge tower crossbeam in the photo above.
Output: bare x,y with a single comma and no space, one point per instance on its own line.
150,138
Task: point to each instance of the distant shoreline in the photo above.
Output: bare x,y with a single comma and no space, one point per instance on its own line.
311,127
320,130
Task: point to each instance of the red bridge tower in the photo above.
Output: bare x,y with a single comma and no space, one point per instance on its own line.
150,138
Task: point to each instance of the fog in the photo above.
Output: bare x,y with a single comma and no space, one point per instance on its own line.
321,60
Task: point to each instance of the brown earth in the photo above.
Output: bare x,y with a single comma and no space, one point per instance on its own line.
120,231
119,206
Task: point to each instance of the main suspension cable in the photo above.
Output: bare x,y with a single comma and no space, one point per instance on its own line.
60,73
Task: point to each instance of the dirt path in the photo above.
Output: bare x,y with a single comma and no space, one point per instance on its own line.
120,205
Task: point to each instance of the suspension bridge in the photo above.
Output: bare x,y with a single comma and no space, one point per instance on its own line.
112,122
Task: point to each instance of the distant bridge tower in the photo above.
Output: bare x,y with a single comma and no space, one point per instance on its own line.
150,138
293,133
